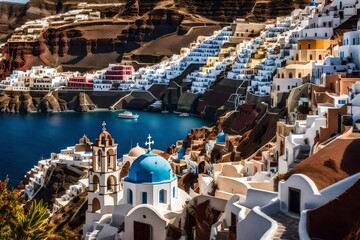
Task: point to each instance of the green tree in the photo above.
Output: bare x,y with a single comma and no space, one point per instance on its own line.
16,223
33,225
9,207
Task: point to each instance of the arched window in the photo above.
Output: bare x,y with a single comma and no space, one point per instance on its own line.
290,75
96,183
95,205
111,159
311,57
299,75
130,196
282,75
162,196
99,156
108,163
320,57
111,184
297,57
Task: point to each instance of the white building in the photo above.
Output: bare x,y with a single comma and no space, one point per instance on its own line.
104,183
350,49
150,201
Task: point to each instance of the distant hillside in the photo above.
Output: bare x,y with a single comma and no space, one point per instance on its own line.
126,29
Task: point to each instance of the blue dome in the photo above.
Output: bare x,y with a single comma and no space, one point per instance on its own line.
312,4
221,137
150,168
181,152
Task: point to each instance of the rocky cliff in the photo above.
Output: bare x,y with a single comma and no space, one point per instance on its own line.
93,45
254,10
44,101
9,15
59,179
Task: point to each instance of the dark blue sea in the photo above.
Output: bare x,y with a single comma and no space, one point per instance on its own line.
27,138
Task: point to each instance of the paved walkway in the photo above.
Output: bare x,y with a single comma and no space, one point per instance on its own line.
287,226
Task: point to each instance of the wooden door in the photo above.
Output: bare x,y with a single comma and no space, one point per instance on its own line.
142,231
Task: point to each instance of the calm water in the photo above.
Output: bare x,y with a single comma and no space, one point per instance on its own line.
26,138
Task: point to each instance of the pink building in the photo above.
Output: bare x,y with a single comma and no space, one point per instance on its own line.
119,72
80,82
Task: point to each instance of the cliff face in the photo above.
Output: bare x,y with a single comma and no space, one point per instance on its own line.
254,10
10,13
88,46
57,182
93,45
76,101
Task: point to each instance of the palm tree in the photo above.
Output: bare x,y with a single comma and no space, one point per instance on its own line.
33,225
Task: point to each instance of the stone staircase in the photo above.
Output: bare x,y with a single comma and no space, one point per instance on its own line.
287,226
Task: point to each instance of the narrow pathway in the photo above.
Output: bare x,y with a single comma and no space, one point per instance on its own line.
287,226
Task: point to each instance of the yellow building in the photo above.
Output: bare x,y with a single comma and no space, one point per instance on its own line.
312,50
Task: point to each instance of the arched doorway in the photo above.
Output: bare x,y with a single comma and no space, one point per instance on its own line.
95,205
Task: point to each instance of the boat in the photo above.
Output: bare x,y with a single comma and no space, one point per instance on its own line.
184,115
128,115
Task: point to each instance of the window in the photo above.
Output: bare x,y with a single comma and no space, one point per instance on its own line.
173,192
300,46
278,87
315,34
309,46
311,57
144,197
299,75
320,57
325,34
290,75
354,41
341,101
130,196
162,196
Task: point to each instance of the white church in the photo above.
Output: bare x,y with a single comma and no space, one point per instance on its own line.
139,206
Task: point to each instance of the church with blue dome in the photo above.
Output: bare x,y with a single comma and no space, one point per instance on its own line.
150,199
150,168
151,181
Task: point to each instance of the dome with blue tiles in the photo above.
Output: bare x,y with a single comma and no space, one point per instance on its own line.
221,137
150,168
312,4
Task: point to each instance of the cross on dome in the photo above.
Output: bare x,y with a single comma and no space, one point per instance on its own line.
104,126
149,143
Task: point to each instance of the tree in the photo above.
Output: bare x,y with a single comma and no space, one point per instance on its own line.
33,225
9,207
16,223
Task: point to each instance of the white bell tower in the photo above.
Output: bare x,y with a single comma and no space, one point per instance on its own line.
104,183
